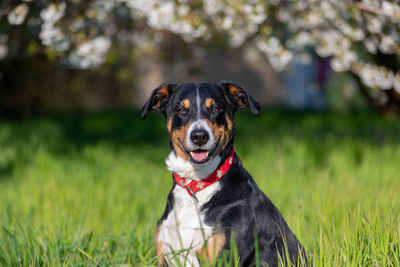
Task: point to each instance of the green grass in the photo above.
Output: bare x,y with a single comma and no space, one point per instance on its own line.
87,190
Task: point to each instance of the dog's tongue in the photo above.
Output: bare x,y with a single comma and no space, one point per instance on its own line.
199,155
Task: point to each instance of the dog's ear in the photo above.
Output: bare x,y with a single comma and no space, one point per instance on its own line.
159,98
239,98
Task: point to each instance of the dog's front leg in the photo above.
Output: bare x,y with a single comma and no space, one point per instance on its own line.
159,248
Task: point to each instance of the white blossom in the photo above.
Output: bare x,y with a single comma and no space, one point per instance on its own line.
368,76
3,51
273,45
313,19
331,42
343,61
391,9
213,7
284,15
200,31
303,39
91,53
277,55
101,9
376,77
162,16
328,10
50,34
332,28
357,34
387,45
374,25
385,79
255,14
18,14
371,3
227,22
53,13
183,10
371,44
237,38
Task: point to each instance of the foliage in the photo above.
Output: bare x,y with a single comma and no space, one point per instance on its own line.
361,37
88,190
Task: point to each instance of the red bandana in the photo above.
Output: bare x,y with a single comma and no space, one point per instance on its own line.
193,186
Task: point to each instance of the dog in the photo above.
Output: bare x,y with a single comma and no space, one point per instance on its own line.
214,203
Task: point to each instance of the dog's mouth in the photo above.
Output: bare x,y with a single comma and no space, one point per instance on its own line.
200,156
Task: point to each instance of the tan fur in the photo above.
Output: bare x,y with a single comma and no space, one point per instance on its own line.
180,134
209,102
238,94
221,132
186,103
159,248
169,125
229,122
161,94
212,248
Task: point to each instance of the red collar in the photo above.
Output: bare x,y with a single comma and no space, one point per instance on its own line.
192,186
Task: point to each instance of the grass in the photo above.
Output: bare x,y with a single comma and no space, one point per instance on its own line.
87,190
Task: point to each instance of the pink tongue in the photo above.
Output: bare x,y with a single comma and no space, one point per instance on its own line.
199,156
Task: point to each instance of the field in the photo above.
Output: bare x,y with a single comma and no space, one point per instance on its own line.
88,189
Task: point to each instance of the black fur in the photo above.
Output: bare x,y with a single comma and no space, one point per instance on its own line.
240,207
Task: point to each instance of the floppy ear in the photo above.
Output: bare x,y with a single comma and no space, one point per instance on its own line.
159,98
239,98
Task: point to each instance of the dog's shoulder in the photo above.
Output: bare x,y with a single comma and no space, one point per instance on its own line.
240,198
240,207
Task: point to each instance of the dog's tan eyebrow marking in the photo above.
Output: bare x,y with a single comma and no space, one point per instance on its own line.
185,103
209,102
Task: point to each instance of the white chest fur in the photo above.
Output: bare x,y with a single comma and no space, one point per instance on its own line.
184,230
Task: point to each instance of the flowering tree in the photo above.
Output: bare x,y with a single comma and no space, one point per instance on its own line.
360,37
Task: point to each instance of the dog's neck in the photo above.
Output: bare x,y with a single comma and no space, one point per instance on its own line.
188,170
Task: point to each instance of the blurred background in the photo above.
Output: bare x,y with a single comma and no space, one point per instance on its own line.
82,176
68,56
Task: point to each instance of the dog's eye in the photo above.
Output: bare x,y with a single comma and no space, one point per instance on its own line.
181,111
215,110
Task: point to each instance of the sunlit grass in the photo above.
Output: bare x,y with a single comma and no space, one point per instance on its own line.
88,190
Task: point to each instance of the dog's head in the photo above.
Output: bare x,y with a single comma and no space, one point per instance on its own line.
200,116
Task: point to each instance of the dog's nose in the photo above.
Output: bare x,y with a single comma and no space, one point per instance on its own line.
199,137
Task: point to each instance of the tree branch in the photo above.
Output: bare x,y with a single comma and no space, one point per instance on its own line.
366,8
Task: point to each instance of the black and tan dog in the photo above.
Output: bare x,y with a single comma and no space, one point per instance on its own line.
213,198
